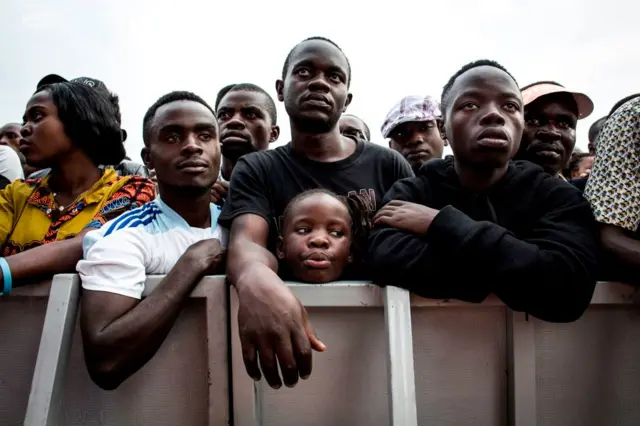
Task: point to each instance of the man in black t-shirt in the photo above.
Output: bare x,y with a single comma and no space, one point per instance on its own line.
314,89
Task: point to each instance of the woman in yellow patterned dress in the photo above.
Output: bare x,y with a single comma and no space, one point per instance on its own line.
72,129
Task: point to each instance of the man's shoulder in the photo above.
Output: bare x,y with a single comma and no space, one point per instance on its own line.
143,217
380,153
267,157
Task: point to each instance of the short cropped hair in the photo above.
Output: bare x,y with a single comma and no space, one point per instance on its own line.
367,132
248,87
90,121
479,63
287,61
164,100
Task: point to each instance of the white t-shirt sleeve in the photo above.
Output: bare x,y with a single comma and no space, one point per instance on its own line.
115,264
10,166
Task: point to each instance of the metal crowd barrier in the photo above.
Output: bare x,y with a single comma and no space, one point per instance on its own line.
474,364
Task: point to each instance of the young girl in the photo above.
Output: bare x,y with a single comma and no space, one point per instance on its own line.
322,233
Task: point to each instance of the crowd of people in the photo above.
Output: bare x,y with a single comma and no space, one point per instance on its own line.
516,211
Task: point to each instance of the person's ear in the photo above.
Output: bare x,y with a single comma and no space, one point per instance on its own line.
275,133
123,132
347,103
280,248
443,135
280,90
146,158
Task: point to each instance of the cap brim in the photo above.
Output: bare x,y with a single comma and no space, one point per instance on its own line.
585,104
51,79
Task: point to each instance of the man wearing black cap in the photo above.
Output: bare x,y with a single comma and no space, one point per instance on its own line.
126,167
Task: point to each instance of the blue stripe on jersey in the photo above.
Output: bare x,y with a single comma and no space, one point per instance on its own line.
149,209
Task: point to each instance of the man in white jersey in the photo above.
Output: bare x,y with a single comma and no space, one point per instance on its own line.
177,235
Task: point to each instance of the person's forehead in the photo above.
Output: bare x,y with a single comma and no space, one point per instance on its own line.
41,98
313,203
243,99
320,53
351,121
10,127
183,113
485,78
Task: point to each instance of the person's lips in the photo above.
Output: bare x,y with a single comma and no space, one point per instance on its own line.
234,136
493,137
193,166
316,260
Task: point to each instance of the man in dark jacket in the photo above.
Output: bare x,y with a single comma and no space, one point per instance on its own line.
477,223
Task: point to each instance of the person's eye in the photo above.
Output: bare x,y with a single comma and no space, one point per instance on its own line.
533,122
251,115
205,137
303,230
337,233
511,106
469,106
173,138
303,72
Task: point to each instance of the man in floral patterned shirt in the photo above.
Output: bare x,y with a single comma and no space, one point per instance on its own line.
613,190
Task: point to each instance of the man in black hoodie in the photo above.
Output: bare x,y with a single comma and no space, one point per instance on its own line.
477,223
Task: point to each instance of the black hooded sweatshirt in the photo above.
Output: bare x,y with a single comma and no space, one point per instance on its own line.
530,239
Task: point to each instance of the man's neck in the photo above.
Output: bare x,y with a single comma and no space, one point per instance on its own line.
193,207
476,178
227,168
324,147
74,176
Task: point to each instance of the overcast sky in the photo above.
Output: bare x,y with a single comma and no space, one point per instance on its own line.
144,49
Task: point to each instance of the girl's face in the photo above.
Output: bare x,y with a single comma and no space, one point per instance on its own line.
316,241
44,140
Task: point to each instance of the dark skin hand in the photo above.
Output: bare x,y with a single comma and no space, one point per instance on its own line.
219,191
621,246
121,334
410,217
47,260
272,323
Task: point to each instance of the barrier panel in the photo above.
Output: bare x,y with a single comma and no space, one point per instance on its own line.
21,319
479,364
185,383
365,377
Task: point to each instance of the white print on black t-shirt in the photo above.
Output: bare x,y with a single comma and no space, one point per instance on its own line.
368,196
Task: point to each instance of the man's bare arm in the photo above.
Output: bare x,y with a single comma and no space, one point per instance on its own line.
621,246
120,334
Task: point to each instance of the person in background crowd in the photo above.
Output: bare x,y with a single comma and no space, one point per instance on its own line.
248,120
594,131
412,129
580,166
322,233
476,223
10,166
126,167
613,189
354,127
177,234
551,115
10,135
314,88
70,129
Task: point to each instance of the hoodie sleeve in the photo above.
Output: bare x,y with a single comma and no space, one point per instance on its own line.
402,259
549,273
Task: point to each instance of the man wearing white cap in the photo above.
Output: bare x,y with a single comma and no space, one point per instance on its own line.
551,115
412,129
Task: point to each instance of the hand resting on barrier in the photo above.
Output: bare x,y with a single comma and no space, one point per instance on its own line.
272,323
